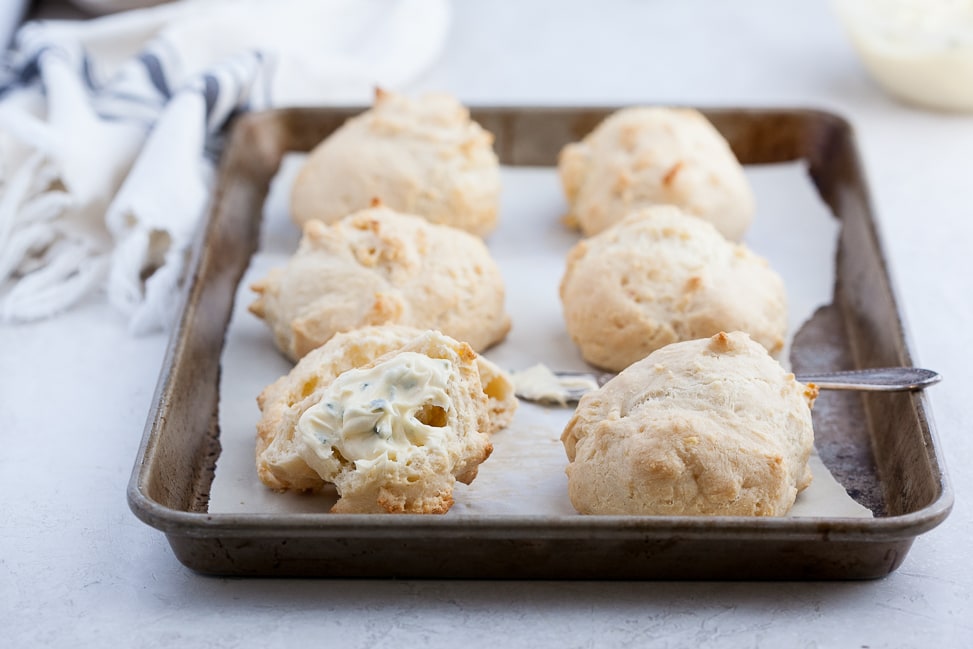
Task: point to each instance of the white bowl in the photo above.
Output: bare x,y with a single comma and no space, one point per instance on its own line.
920,51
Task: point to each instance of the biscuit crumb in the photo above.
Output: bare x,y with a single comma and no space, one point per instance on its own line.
315,230
721,342
811,392
622,182
670,175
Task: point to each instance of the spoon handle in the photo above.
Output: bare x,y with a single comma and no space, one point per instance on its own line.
571,386
879,379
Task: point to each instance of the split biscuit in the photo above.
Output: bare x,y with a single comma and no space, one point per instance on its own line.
392,416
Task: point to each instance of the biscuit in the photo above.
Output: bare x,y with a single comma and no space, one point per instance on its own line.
659,277
710,427
376,267
639,157
423,156
392,416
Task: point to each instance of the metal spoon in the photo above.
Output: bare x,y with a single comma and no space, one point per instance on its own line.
573,385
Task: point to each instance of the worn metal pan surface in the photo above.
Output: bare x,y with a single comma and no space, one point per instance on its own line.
881,446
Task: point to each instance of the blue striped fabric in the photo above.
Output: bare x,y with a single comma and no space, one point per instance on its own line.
134,98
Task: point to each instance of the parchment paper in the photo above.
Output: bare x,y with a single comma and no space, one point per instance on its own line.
525,473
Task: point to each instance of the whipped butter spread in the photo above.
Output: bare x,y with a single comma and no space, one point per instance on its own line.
539,383
920,50
381,414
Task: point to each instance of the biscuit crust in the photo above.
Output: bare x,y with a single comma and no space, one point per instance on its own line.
659,277
710,427
423,156
639,157
378,266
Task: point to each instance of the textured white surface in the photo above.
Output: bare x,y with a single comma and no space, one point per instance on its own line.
78,569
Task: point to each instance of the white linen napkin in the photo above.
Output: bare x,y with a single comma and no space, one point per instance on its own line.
107,130
11,13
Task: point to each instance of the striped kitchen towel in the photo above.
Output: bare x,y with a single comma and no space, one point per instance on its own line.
109,130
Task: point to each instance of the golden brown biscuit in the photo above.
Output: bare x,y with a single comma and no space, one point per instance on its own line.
378,266
422,156
392,416
661,276
712,427
639,157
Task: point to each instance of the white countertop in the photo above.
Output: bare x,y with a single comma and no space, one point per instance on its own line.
78,569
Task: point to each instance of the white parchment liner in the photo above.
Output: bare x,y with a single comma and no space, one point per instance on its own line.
793,229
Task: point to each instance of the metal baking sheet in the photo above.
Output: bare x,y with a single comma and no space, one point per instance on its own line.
882,448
